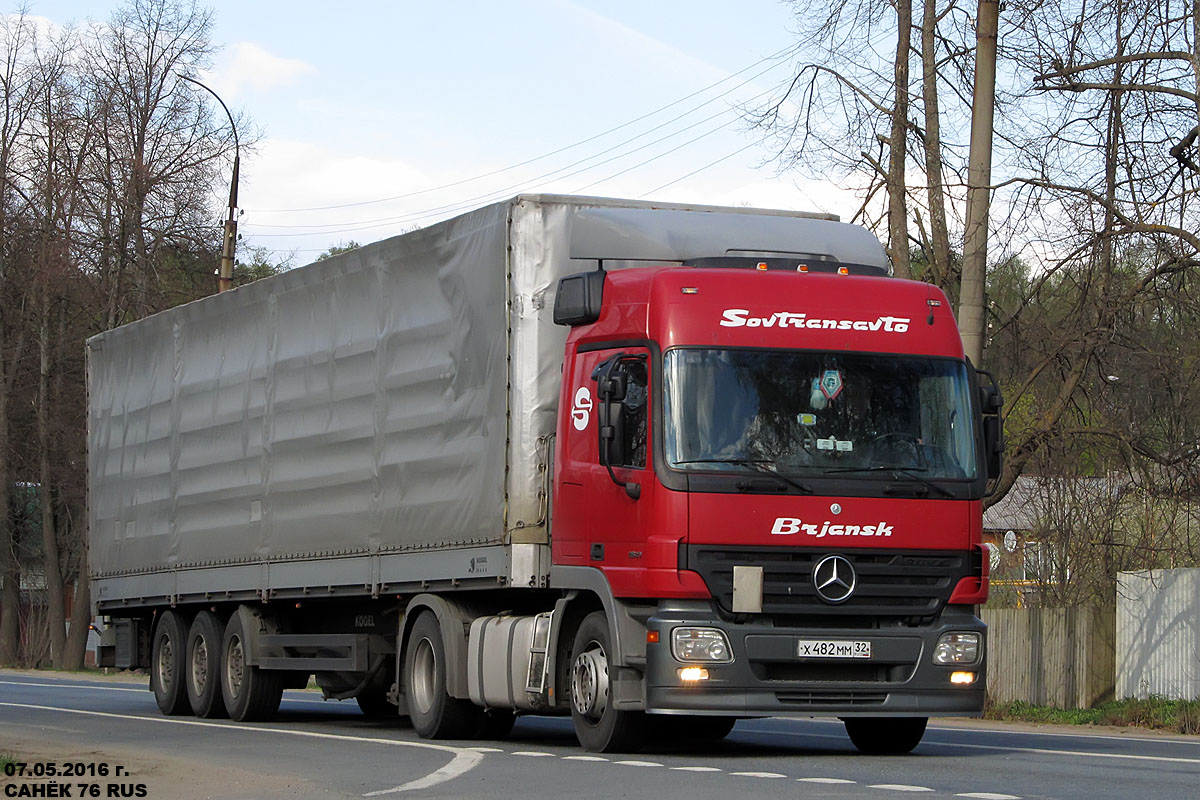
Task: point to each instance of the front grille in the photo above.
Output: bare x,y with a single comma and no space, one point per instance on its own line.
890,583
839,672
818,699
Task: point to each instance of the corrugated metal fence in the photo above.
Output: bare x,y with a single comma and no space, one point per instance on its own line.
1158,633
1050,656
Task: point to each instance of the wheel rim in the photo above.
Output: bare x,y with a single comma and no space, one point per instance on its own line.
166,662
199,664
424,679
589,682
235,668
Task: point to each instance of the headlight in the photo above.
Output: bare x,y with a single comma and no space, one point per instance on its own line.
957,648
700,644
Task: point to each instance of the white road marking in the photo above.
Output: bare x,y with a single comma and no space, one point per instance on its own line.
759,774
486,749
463,759
584,758
900,787
979,727
696,769
139,690
1003,748
825,780
532,754
142,690
639,763
988,796
1077,753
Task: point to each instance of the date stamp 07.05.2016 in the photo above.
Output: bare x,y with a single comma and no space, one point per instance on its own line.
68,779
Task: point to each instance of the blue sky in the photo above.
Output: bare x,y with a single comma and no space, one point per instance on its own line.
385,99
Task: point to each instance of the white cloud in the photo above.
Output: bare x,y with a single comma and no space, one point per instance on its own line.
246,66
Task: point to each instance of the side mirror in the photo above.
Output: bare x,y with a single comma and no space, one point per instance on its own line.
611,388
991,402
579,298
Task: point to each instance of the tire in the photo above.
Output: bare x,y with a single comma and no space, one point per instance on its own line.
202,673
251,694
167,658
434,714
692,728
374,705
599,727
885,736
495,724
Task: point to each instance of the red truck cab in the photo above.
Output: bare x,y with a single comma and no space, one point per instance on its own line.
778,467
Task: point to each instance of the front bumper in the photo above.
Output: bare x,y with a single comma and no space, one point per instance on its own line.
767,677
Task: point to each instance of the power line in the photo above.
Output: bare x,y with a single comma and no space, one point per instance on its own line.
776,56
701,169
525,184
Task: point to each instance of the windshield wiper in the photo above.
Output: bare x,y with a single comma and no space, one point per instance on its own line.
759,465
897,473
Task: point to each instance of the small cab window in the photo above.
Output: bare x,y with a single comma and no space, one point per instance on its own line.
634,409
623,389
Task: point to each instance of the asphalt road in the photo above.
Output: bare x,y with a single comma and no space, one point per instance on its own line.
328,749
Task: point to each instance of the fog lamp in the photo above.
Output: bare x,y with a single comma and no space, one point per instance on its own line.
962,678
693,674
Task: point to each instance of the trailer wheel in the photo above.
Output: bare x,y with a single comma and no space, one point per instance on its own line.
434,714
202,675
167,656
251,694
599,726
885,736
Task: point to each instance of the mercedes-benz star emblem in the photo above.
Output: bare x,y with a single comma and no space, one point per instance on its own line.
834,579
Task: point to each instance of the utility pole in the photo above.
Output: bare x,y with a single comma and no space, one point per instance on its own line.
225,274
972,318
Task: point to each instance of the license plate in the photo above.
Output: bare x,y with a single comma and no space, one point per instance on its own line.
832,648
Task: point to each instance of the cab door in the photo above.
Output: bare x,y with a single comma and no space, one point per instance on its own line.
605,480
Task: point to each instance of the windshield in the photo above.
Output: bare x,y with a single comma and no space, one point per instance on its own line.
817,413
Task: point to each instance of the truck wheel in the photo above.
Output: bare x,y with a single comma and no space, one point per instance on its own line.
885,736
251,694
599,726
202,676
434,714
167,657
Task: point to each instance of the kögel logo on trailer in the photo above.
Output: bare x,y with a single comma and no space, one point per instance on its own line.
834,579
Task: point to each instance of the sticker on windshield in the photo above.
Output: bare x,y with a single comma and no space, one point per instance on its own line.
840,445
831,383
808,419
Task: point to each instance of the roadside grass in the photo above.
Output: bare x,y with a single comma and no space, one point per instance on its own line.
1156,713
6,758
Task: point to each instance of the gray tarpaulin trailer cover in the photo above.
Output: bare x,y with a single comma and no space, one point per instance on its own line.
377,420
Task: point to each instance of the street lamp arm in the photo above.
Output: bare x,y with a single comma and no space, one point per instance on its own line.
225,273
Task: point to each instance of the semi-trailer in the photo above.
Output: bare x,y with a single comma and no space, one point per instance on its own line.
659,467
